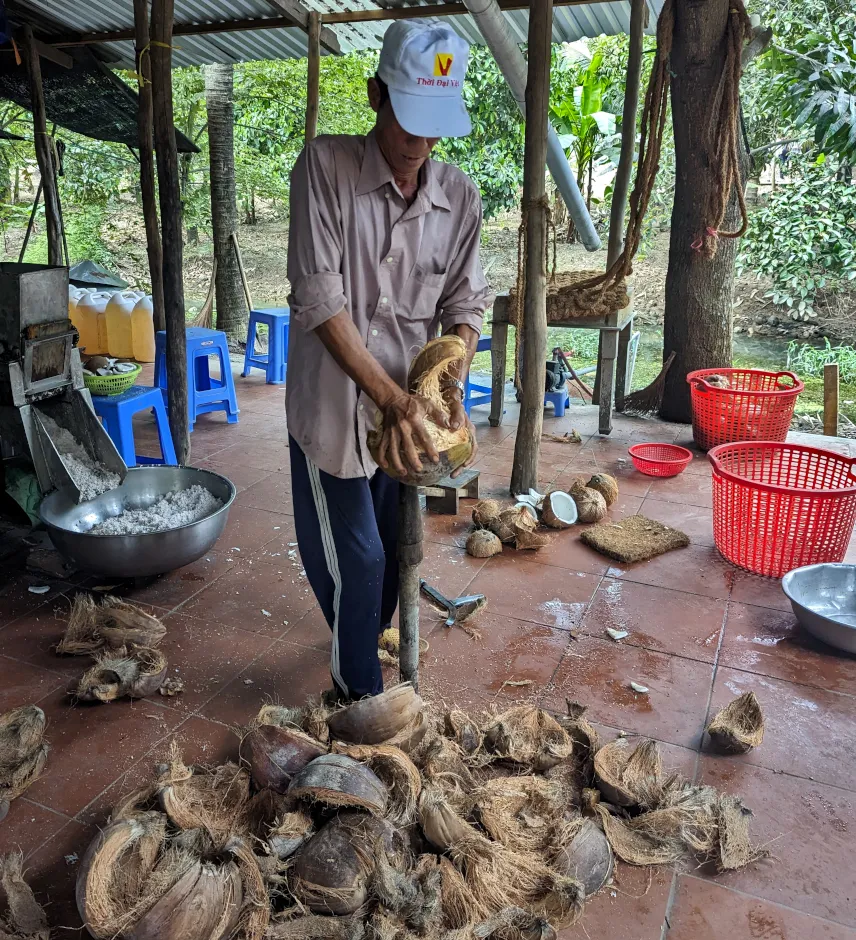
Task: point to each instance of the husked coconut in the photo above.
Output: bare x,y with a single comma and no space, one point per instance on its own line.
606,485
586,855
483,544
591,506
486,513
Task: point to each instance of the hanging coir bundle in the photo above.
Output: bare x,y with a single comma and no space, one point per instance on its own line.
112,624
528,736
127,672
24,918
23,751
739,726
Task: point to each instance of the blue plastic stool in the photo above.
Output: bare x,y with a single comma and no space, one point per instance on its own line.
475,394
204,394
560,401
117,412
275,359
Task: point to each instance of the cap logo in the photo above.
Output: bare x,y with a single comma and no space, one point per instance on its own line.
442,63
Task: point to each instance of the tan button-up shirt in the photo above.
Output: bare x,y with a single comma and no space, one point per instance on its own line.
400,271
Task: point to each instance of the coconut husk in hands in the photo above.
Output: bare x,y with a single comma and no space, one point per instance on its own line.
738,727
23,750
112,624
126,672
24,918
634,539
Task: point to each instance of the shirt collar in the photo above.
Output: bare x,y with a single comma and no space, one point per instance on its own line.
375,172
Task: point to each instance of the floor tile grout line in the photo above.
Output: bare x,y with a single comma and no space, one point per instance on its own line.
758,897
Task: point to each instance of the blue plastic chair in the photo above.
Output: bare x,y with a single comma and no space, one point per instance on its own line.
204,393
117,413
276,319
474,393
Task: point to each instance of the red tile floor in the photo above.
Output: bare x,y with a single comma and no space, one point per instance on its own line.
244,627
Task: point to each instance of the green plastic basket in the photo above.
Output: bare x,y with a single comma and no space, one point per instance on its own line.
111,384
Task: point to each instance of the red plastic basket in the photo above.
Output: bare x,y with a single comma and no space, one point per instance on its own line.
758,406
781,506
660,460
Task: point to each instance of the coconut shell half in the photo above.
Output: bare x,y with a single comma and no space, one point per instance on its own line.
337,780
378,718
625,777
274,755
587,857
331,872
558,510
442,826
738,727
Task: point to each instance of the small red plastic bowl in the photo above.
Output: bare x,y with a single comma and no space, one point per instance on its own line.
660,460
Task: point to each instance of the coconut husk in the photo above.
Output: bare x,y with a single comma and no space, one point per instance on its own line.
625,777
260,814
483,544
444,767
127,672
396,772
23,750
289,833
585,855
566,301
513,923
24,918
738,727
531,540
142,800
310,718
337,780
254,911
465,732
634,539
376,719
442,826
735,847
520,812
577,774
389,644
486,513
412,735
528,736
111,625
512,522
315,927
198,798
591,506
274,755
606,485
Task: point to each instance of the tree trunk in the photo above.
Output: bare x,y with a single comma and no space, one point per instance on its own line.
230,307
697,323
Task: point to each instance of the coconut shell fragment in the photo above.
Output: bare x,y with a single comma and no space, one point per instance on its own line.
338,780
378,718
738,727
289,833
398,774
483,544
625,777
274,755
586,856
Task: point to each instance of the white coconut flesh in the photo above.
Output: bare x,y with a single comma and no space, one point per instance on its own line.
528,507
563,506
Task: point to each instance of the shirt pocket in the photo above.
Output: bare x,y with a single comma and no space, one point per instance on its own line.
421,294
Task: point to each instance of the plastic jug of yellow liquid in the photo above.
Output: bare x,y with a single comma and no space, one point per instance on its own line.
118,314
93,337
143,330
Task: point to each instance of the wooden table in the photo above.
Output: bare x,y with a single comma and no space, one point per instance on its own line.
615,330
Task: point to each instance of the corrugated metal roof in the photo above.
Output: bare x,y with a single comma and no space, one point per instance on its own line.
569,23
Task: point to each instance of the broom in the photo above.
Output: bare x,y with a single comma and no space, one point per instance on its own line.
647,400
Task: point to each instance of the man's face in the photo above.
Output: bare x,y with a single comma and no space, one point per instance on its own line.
404,153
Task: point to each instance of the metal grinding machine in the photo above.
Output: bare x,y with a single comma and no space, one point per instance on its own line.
41,375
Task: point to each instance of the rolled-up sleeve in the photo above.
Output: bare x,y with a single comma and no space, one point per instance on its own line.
315,254
466,294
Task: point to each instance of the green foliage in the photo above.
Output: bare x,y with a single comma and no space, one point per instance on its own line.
810,360
492,155
804,238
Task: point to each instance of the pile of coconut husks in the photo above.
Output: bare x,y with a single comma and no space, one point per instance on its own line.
384,820
587,501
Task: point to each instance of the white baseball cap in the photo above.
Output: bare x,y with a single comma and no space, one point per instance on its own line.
423,64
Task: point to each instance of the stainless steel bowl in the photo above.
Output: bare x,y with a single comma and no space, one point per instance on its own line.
824,600
136,555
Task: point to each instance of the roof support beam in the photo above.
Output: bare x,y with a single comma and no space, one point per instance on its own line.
301,15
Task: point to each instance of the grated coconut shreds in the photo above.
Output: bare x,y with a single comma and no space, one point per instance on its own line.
89,476
170,512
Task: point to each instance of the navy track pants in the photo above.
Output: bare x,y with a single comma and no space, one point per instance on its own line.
347,532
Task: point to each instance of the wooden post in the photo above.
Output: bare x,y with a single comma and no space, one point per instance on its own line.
313,75
147,160
524,472
170,210
44,151
830,399
409,559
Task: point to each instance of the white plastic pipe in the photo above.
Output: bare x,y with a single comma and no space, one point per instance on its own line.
512,64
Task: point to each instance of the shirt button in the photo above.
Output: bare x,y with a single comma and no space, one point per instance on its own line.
384,300
374,332
386,195
389,260
362,407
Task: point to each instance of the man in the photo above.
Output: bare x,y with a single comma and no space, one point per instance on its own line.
383,251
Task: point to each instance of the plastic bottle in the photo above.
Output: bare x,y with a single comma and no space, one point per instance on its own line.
143,330
88,310
118,314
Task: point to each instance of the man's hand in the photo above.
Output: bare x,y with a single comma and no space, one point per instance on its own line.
405,434
459,419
